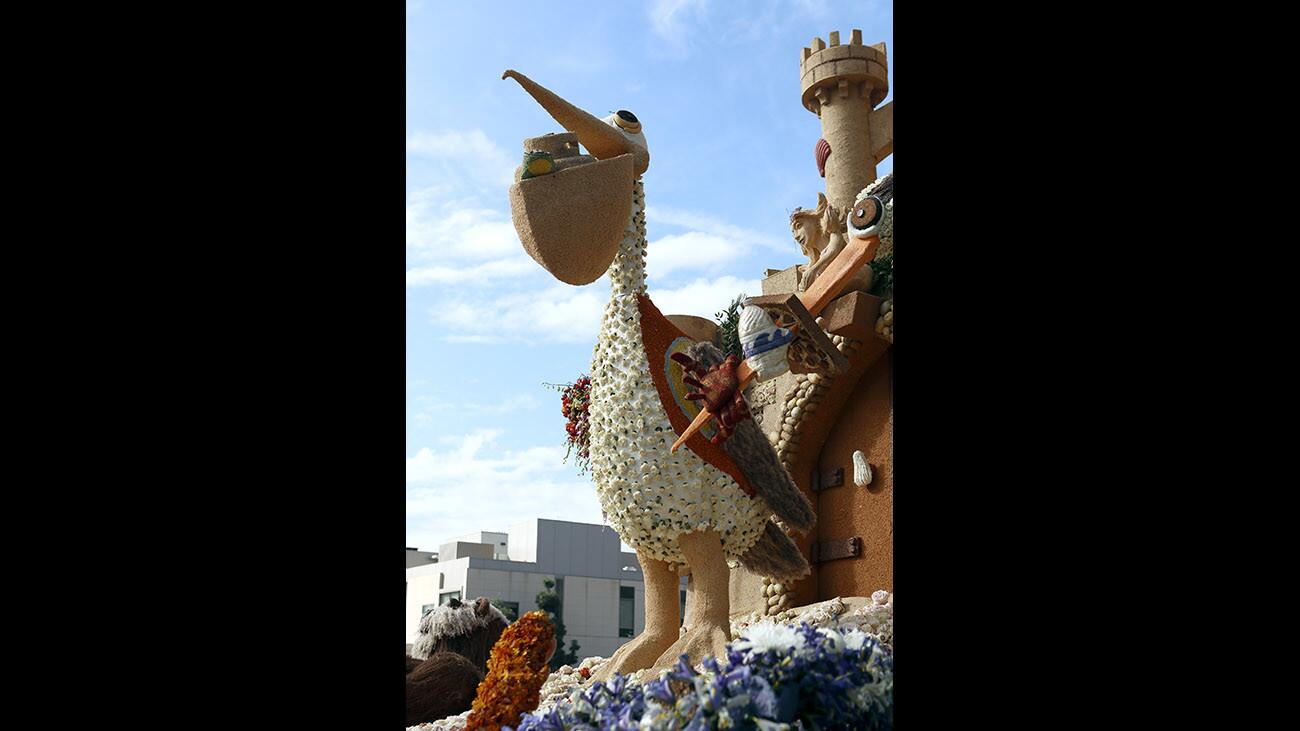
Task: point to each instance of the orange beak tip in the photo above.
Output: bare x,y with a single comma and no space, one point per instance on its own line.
873,241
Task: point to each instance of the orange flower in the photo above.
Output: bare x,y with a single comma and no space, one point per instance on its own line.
517,668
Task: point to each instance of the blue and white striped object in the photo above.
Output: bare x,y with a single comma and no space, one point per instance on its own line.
763,343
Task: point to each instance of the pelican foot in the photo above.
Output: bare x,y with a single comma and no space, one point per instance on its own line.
696,643
638,653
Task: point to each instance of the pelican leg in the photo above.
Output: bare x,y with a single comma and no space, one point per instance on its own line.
708,607
662,619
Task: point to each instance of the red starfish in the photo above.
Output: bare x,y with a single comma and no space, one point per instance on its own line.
719,388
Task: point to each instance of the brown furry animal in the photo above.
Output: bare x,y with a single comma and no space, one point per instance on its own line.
450,657
466,629
444,685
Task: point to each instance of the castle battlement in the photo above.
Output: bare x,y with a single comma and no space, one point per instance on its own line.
828,71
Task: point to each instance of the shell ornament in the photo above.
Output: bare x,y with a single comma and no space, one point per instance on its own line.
764,344
820,153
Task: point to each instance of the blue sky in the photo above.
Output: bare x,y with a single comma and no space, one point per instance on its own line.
716,87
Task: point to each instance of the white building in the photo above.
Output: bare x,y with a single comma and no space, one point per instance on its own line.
416,557
600,586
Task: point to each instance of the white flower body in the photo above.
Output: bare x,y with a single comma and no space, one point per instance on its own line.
647,493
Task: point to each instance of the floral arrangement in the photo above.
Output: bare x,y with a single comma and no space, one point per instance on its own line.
517,669
575,403
777,678
729,327
647,493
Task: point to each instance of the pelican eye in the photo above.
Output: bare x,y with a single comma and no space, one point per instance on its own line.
866,213
627,121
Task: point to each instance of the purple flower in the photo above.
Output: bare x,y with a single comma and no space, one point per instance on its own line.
771,677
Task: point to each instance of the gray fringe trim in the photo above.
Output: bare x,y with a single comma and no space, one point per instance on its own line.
443,622
756,457
775,555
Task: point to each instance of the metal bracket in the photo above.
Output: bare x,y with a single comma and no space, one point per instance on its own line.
823,551
820,482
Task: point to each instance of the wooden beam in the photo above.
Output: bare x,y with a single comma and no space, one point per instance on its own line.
857,253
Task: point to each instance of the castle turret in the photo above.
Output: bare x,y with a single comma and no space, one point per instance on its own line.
842,84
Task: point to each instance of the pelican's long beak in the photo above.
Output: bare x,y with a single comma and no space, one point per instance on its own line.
603,141
572,220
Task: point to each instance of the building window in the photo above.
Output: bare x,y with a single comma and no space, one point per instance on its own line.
510,609
448,596
626,611
682,615
426,609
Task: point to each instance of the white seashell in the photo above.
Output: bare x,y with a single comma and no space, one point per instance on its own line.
861,470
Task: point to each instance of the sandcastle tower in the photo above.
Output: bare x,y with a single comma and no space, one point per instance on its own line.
834,431
842,85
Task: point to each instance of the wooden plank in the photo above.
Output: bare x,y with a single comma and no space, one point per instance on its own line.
857,252
810,342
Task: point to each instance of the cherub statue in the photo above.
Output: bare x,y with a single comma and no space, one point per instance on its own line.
820,235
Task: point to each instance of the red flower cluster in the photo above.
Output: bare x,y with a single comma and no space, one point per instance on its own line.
575,402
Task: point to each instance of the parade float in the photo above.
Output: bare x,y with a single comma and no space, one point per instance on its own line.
764,476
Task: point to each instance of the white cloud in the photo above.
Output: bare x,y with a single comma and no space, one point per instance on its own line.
677,23
434,411
711,225
439,227
474,339
451,237
469,153
815,8
487,291
559,313
756,23
703,297
694,251
468,275
669,20
475,485
668,16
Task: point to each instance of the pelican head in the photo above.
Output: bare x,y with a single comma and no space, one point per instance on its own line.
571,218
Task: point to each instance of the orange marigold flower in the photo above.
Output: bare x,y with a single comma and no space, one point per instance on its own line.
517,668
